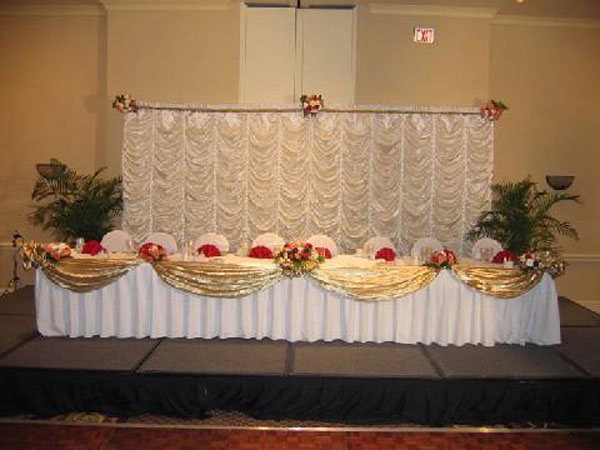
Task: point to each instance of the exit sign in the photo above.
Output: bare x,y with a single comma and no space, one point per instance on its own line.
424,35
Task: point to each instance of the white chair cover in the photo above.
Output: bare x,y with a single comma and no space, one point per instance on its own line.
320,240
486,248
218,240
270,240
428,242
376,243
117,241
167,241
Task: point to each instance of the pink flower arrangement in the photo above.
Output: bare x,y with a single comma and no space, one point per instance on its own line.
386,253
151,252
57,250
311,104
260,251
298,258
493,110
442,259
209,250
92,248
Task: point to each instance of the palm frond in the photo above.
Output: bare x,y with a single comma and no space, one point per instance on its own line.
74,205
520,217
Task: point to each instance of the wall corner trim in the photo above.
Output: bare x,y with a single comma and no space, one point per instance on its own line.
166,5
430,10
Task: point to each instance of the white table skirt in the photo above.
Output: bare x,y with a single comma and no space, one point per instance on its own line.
445,312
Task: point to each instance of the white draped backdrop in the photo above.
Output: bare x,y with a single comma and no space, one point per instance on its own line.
348,174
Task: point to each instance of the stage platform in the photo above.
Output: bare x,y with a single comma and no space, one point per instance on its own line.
354,383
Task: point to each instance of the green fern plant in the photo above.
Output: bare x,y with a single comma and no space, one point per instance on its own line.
520,218
74,205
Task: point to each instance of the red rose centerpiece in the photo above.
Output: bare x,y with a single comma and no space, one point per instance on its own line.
209,250
92,248
298,258
151,252
444,259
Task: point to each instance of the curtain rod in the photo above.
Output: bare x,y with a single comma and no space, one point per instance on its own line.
358,110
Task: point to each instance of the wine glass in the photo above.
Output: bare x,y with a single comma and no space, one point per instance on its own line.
79,243
190,251
129,246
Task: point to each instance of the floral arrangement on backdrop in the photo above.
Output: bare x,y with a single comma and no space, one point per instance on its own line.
443,259
298,258
124,103
151,252
493,110
311,104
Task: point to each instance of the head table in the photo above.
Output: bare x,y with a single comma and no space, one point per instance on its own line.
253,299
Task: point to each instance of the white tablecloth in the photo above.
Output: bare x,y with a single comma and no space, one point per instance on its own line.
445,312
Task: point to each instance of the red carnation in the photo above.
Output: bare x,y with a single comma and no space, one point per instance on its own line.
209,250
324,252
505,254
92,248
260,251
386,253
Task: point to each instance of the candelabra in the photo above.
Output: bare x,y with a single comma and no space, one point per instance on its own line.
15,282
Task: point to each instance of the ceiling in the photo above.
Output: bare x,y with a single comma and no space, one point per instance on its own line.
582,9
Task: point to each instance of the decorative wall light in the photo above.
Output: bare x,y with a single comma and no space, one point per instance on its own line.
559,182
51,170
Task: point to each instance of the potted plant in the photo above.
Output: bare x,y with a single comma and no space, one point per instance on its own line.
75,205
520,218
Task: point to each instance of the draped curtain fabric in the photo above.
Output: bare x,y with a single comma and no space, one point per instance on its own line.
349,174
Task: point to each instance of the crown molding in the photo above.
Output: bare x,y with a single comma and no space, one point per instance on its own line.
430,10
545,21
166,5
19,10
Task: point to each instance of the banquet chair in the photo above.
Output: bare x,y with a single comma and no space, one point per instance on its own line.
218,240
428,242
485,249
376,243
117,241
323,241
270,240
167,241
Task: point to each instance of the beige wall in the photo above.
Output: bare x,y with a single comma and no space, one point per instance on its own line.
183,56
51,98
391,69
549,77
59,74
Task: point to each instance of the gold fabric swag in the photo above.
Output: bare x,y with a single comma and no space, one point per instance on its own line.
231,280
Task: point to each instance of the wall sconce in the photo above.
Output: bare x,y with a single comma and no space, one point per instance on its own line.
50,171
559,182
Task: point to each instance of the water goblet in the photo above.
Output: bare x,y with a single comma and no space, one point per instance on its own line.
79,243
